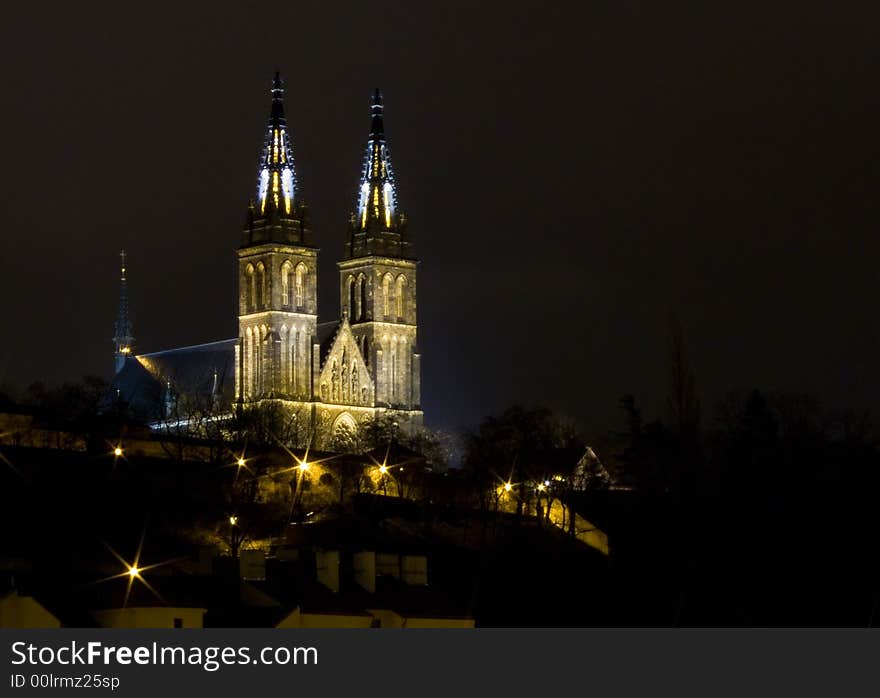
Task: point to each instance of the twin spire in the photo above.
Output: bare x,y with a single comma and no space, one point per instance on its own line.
377,199
276,179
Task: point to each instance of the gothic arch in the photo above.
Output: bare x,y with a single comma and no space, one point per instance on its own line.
249,288
299,286
344,431
284,372
352,298
247,362
362,297
287,283
261,286
387,282
400,296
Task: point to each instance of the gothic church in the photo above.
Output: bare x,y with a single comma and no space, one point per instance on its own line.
334,375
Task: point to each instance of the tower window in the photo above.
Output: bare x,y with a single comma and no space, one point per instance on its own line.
352,310
299,286
362,297
400,297
386,297
286,283
249,287
261,286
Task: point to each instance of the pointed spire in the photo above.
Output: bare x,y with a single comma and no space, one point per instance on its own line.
124,340
377,200
276,179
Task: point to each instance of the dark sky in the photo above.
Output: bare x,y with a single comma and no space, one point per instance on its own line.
571,172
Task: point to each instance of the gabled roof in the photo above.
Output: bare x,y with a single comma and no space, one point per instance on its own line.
202,371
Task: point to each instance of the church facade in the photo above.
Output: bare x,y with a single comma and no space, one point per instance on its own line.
332,375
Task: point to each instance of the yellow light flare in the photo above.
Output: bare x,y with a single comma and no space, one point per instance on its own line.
134,571
507,487
383,469
541,487
233,520
117,451
241,462
304,466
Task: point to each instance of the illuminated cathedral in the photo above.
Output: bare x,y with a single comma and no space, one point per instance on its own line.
332,376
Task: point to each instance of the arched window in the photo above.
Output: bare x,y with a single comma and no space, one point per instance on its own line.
352,310
294,357
362,297
386,296
402,371
299,287
247,367
261,286
400,297
284,372
286,285
392,378
249,287
355,387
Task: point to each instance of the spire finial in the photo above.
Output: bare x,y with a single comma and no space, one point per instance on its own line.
377,129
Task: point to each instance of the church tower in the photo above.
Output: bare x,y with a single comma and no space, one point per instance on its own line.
378,278
123,339
277,275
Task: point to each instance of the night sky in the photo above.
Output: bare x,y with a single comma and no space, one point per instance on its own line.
571,174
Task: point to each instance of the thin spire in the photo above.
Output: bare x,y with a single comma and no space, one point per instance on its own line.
276,180
123,340
377,198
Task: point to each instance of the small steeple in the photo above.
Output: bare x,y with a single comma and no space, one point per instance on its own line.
123,340
276,180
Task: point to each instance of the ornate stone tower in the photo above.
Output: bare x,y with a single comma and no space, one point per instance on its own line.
277,274
378,279
123,340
